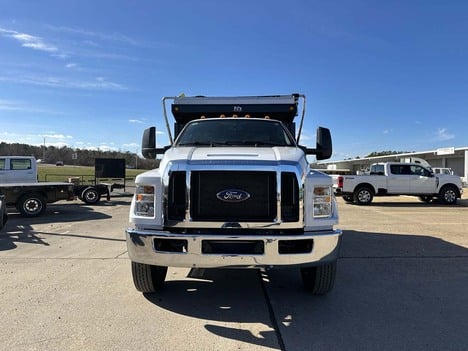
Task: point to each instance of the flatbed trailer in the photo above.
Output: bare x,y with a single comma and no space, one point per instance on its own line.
31,199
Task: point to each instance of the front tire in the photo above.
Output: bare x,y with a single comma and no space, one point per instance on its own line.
31,205
363,195
319,280
448,195
148,278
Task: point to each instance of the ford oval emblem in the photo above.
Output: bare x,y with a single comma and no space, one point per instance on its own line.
233,195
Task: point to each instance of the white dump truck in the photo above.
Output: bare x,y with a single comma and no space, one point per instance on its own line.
234,189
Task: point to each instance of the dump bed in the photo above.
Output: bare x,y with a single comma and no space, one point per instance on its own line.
280,107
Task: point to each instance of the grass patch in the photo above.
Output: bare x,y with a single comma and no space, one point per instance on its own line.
52,173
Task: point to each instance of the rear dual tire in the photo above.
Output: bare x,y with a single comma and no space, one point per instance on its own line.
31,205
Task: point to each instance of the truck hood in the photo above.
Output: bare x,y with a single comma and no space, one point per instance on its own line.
250,154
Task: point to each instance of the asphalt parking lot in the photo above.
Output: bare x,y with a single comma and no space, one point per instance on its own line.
402,284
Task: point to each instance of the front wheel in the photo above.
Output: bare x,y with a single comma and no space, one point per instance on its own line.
31,205
148,278
319,280
448,195
363,195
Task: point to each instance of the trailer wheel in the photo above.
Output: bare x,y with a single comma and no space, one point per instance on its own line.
91,195
148,278
31,205
319,280
448,195
363,195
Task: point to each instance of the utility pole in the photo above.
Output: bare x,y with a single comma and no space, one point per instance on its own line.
136,159
43,152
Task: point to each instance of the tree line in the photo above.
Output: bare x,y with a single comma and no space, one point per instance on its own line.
386,153
69,156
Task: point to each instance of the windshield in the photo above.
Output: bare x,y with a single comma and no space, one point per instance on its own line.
234,132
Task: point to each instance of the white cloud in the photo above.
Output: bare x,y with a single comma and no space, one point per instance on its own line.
7,105
71,65
131,146
99,83
442,134
135,121
29,41
51,139
104,37
105,147
387,131
57,136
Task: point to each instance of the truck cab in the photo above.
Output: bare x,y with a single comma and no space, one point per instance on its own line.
234,189
18,169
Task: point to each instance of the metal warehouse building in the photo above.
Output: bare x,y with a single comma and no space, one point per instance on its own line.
455,158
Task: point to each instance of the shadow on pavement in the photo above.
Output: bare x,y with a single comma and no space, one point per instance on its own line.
21,229
387,202
222,295
392,292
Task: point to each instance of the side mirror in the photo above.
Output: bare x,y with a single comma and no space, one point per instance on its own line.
324,143
324,148
148,144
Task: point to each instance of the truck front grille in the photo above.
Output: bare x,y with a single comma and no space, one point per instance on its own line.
289,197
206,204
260,206
176,196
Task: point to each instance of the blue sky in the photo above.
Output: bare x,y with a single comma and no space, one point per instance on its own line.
382,75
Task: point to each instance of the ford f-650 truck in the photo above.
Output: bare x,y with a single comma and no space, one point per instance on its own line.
234,189
397,178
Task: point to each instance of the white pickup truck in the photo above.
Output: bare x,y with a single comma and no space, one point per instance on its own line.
397,178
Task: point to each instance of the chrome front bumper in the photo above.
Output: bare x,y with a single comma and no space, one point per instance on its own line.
142,248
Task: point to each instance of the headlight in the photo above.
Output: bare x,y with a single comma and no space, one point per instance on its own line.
144,201
322,201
